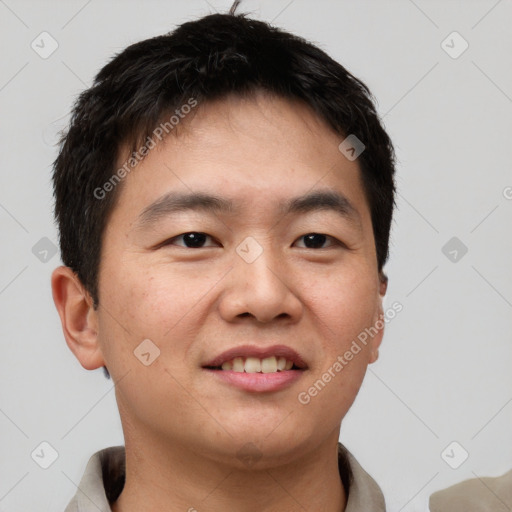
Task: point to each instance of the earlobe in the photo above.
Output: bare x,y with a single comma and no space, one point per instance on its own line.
383,283
379,323
78,318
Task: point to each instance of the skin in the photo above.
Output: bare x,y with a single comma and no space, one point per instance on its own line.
183,427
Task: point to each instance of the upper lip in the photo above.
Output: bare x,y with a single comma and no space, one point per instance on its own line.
259,352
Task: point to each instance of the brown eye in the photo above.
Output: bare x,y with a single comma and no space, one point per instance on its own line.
317,240
191,240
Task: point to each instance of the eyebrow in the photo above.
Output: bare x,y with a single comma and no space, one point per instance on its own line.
173,203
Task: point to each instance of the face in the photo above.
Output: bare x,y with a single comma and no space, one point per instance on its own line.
278,270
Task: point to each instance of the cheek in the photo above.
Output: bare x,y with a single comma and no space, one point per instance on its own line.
343,309
344,305
147,300
167,306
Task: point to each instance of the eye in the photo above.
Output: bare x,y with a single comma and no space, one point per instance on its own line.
317,240
197,240
191,240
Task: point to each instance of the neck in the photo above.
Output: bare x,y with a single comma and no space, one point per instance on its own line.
164,477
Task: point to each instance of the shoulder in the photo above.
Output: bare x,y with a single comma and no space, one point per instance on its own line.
475,495
102,481
363,491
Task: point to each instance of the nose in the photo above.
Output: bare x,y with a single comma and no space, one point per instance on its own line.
262,290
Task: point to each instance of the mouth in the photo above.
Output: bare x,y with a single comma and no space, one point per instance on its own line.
278,358
258,369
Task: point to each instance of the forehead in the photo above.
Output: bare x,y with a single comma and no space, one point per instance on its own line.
256,152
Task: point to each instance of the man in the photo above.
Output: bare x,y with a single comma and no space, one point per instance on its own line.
224,197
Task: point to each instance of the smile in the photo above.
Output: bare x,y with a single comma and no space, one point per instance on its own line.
271,364
258,369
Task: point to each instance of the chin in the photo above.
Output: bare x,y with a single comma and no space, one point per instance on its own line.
259,455
263,445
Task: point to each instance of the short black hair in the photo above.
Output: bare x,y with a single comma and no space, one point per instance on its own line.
200,61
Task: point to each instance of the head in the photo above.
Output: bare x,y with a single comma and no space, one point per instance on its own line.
205,205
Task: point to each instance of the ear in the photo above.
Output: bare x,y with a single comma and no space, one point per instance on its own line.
377,339
78,317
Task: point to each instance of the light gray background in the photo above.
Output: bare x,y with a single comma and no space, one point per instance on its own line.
444,373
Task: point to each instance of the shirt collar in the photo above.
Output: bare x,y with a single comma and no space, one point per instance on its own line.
103,481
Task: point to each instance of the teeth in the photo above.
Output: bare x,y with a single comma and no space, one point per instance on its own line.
238,364
252,365
271,364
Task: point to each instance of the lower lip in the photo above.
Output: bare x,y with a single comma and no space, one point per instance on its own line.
259,382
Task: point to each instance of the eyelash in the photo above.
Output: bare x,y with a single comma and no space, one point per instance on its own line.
334,241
